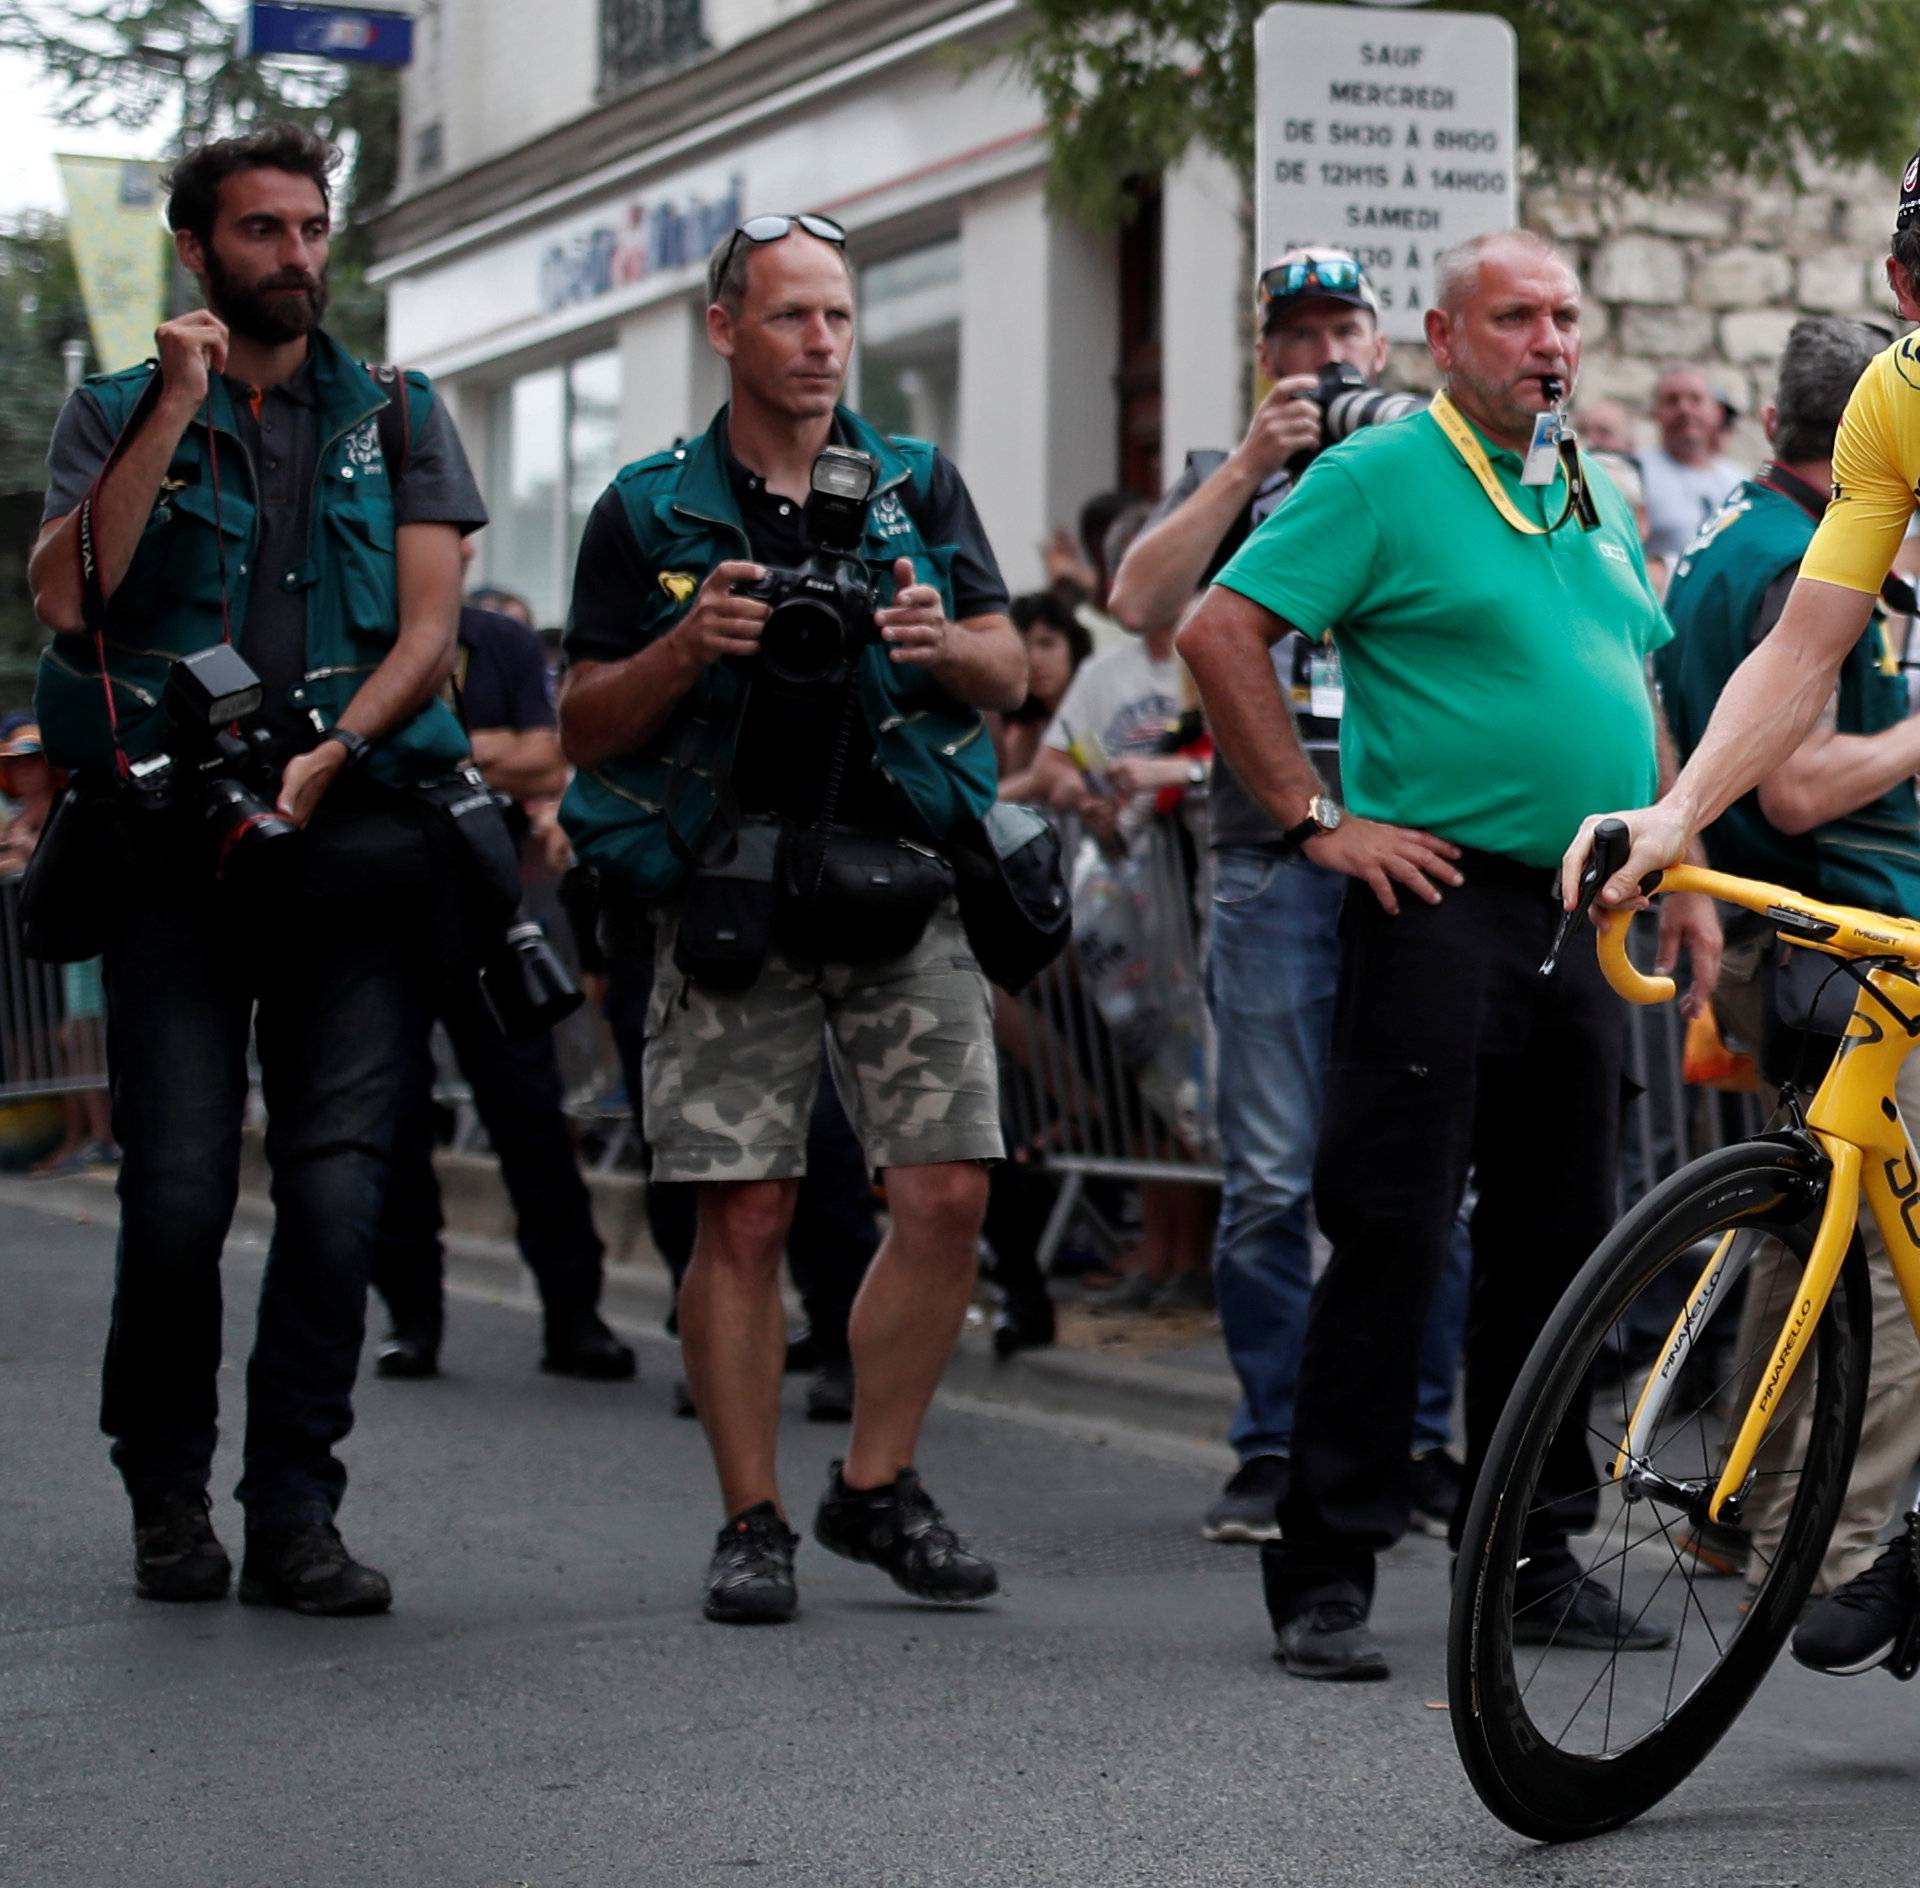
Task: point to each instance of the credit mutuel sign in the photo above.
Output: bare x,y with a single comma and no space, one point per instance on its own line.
1390,135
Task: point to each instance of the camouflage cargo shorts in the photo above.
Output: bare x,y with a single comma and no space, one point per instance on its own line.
731,1075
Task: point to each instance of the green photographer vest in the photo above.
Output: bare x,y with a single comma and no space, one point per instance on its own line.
169,603
1868,857
684,519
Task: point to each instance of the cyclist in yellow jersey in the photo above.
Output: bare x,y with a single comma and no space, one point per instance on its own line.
1771,704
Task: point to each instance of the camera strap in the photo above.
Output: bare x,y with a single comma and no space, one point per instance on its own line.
1466,442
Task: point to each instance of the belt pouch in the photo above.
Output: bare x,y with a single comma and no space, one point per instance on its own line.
726,916
852,897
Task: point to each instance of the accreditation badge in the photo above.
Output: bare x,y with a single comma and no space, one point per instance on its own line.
1543,454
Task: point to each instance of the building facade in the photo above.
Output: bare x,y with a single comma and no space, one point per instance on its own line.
567,170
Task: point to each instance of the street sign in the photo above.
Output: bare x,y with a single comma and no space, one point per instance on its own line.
1389,135
365,35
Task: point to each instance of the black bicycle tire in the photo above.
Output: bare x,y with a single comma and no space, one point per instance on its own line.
1550,1794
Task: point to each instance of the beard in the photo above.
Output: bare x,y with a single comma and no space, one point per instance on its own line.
264,311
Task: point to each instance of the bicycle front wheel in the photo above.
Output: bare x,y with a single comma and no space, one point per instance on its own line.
1597,1648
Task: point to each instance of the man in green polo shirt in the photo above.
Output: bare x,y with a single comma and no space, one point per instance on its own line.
1494,643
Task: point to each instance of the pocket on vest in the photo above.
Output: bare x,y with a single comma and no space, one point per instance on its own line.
361,544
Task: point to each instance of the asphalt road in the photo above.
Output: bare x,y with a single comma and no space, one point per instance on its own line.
545,1706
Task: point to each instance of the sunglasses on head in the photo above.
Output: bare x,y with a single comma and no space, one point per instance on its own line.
769,229
1332,275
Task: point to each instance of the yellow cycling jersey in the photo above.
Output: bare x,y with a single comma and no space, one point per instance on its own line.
1876,467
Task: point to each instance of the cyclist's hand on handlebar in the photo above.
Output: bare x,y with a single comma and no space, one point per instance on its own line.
1689,922
1659,840
1385,855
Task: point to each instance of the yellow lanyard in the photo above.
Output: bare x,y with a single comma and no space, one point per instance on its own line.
1466,442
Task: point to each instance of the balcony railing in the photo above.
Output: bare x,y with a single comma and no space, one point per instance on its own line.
642,38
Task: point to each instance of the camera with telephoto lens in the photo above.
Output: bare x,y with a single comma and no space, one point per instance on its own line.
822,611
1346,404
212,761
527,988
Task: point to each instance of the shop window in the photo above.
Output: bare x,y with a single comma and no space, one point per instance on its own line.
641,37
553,447
907,362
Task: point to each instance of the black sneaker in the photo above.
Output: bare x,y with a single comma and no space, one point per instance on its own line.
1439,1484
1872,1619
898,1529
1331,1640
1249,1505
407,1354
750,1578
830,1394
176,1554
1584,1615
582,1346
308,1568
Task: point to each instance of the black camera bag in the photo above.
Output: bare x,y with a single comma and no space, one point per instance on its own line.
852,897
67,895
470,831
1013,894
726,917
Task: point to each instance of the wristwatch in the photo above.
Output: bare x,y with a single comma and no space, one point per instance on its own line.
357,745
1324,813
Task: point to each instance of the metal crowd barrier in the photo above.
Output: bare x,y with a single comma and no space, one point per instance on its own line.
45,1049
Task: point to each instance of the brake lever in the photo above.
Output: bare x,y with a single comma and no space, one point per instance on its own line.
1611,844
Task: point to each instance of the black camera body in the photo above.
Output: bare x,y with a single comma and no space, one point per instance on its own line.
822,609
1346,404
212,761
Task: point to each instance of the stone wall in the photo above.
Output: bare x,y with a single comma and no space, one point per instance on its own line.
1717,278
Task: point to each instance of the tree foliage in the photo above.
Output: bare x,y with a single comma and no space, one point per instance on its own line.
139,63
1652,95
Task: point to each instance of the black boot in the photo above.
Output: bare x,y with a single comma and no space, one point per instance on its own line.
580,1345
176,1554
307,1567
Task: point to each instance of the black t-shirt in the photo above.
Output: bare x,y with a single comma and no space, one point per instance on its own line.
788,734
501,672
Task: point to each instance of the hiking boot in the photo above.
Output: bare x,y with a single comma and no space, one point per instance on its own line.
408,1354
1331,1640
1439,1486
1872,1619
1584,1615
176,1554
582,1346
898,1529
307,1568
750,1578
1249,1505
830,1394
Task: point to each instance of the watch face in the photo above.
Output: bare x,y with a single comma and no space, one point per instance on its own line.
1327,814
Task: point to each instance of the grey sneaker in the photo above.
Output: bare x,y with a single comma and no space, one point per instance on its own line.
1249,1505
1331,1640
1585,1615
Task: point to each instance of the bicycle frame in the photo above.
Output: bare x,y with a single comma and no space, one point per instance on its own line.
1853,1118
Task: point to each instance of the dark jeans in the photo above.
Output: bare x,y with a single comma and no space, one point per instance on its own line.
332,988
833,1236
517,1093
1449,1053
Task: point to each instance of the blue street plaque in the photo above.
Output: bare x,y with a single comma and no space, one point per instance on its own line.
367,35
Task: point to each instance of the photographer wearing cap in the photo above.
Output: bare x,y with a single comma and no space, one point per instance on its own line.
253,604
1273,955
1494,621
782,636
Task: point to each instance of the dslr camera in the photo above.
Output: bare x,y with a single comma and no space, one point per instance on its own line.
212,761
822,609
1346,404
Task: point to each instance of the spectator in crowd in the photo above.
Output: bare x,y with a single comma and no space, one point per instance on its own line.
500,686
1274,955
1838,820
1685,476
888,745
26,782
490,596
1057,643
1449,1051
346,607
1605,426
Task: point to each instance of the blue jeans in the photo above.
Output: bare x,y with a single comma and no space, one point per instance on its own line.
332,989
1272,969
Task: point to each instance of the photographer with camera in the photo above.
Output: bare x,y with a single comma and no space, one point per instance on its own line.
1273,954
782,636
253,596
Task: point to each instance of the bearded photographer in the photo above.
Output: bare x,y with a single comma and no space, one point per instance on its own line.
1273,956
772,773
265,874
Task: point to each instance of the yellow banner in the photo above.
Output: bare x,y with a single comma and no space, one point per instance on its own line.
113,225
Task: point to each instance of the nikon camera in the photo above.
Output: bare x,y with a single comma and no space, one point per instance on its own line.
822,610
1346,404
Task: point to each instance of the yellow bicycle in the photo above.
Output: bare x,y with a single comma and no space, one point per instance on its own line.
1711,1360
